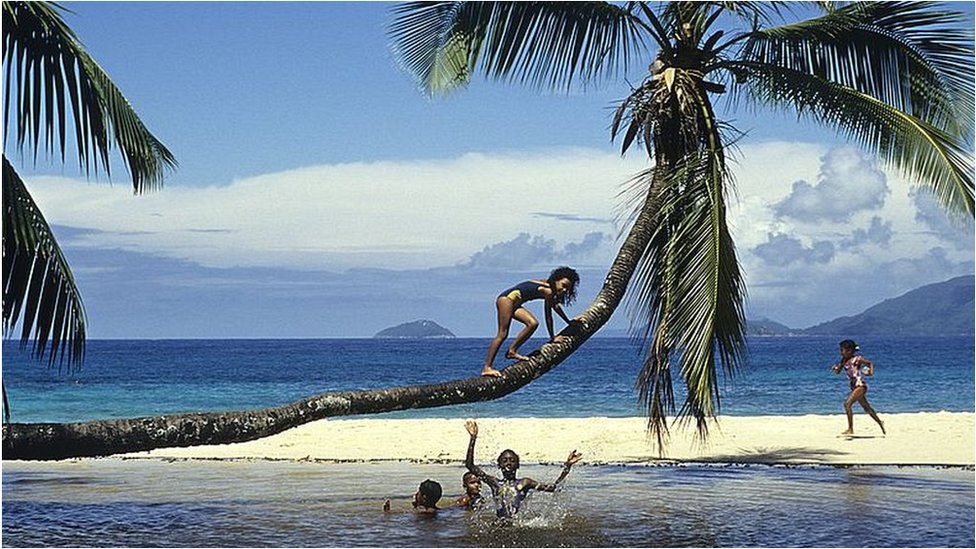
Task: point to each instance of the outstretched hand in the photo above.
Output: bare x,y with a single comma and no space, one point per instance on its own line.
472,427
573,458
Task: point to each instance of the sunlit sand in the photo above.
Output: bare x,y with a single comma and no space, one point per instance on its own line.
942,438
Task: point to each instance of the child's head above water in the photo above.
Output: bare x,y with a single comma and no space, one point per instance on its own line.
564,280
508,462
428,494
471,483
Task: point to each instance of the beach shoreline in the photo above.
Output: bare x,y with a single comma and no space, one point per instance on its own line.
913,439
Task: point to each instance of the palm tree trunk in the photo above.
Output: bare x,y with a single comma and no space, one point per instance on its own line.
41,441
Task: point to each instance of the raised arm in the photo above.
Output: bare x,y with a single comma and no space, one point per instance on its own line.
574,457
472,428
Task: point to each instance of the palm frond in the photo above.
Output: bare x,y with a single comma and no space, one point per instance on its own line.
37,281
546,44
906,54
643,301
686,295
54,78
709,290
931,156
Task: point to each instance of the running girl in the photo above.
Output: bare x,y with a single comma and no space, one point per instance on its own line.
559,289
852,365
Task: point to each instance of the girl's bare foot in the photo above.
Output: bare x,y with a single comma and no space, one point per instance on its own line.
491,372
848,432
512,355
881,423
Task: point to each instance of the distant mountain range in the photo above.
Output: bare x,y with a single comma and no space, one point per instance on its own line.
944,308
418,329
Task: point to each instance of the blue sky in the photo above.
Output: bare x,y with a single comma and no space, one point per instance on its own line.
319,194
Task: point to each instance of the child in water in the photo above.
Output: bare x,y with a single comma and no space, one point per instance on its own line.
852,364
509,491
425,499
471,499
559,289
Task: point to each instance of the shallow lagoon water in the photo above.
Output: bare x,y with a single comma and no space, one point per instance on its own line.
153,503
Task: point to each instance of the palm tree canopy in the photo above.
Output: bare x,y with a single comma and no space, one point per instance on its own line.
895,77
48,74
49,81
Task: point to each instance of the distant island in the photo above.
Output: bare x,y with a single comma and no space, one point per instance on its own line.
764,327
418,329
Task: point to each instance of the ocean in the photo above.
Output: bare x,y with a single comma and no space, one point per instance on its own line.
780,376
159,503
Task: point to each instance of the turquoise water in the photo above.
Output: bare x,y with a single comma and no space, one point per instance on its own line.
781,376
152,503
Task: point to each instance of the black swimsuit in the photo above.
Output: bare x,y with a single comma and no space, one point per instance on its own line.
525,291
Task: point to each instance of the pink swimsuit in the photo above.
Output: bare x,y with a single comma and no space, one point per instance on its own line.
852,367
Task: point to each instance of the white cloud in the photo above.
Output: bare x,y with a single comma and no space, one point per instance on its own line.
420,215
848,183
415,214
781,250
953,230
883,239
878,232
526,251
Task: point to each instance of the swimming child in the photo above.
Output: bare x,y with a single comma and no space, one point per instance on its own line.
852,365
425,499
509,491
471,499
557,290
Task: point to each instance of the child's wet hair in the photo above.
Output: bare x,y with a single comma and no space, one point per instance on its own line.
573,277
431,490
468,477
849,344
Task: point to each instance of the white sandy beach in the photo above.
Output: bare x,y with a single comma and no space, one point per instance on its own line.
942,438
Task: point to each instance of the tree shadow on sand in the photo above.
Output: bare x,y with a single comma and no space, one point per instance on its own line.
776,456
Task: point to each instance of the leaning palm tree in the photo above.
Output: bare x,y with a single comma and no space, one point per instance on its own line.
53,87
894,77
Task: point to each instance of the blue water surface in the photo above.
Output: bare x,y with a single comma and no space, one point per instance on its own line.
779,376
154,503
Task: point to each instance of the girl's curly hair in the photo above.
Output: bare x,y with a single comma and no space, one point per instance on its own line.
572,276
